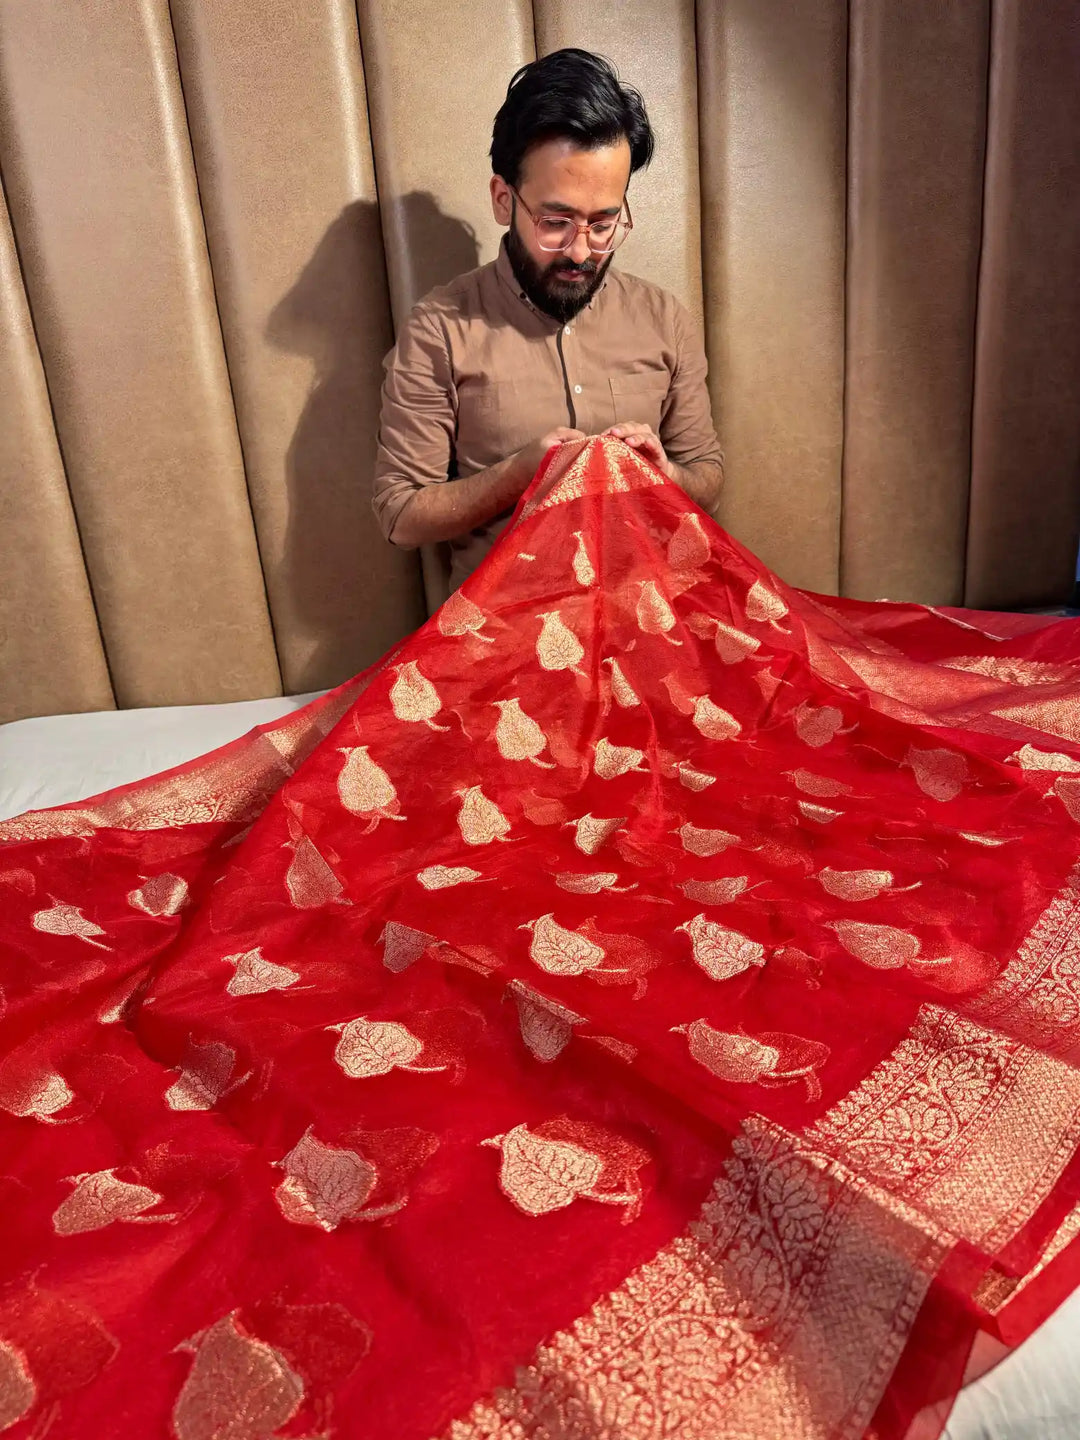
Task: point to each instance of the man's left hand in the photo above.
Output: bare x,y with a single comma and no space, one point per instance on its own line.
644,439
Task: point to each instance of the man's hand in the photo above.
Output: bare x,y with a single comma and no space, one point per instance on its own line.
645,440
530,457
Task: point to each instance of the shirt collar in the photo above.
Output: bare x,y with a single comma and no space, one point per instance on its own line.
505,271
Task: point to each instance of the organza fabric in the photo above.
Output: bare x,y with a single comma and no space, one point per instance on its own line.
644,1004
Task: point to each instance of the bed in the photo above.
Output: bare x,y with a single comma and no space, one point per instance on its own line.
1034,1394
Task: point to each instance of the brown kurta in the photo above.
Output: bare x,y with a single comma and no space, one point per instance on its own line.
478,372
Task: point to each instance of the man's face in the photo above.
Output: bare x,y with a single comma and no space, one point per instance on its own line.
558,179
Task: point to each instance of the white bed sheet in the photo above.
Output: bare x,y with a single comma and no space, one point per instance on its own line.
1032,1395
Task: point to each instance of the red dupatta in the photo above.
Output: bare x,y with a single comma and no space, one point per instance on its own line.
643,1004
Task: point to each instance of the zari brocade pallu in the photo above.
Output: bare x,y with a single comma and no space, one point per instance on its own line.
643,1005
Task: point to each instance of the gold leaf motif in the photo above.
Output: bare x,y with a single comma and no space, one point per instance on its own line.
205,1072
309,879
715,892
239,1388
721,953
557,647
820,814
459,616
714,723
324,1184
696,841
762,604
620,1048
364,787
402,945
621,689
611,761
881,946
988,840
692,778
938,773
820,785
414,698
375,1047
442,877
256,976
1028,758
588,884
654,615
733,645
855,884
560,951
159,895
590,832
479,819
546,1026
688,548
584,573
40,1096
738,1058
518,736
98,1200
541,1175
816,726
18,1393
68,920
1067,789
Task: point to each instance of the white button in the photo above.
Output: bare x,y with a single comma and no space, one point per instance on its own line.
567,330
577,389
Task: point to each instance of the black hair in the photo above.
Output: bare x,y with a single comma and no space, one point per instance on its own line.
574,95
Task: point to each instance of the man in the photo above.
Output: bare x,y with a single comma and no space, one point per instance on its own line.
548,343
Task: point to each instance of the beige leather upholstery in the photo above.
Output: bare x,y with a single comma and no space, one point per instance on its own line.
218,210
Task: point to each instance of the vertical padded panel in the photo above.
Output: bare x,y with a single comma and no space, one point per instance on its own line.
915,178
772,87
276,106
95,155
653,45
436,75
1025,484
51,660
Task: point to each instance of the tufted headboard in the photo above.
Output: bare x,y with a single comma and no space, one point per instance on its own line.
216,210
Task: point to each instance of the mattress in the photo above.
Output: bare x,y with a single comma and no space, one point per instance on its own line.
1034,1394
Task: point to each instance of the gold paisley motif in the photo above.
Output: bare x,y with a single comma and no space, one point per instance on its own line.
414,698
692,778
238,1387
1067,790
442,877
733,645
518,736
459,616
591,831
763,605
368,1048
738,1058
715,892
1028,758
560,951
688,548
816,725
256,976
938,773
819,785
364,787
721,952
159,895
714,723
591,884
611,761
100,1199
39,1096
546,1026
883,947
62,919
621,689
205,1075
584,573
18,1393
654,615
855,884
479,819
541,1175
402,945
696,841
557,647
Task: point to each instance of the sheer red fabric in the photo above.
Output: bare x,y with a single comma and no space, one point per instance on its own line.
645,1003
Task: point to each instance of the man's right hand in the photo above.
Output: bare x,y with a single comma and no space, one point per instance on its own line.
528,459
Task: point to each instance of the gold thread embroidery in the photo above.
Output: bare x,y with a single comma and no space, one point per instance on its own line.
479,819
611,761
542,1172
62,919
819,785
590,831
938,773
238,1386
714,723
692,778
688,548
256,976
414,698
442,877
546,1026
100,1199
18,1393
205,1076
715,892
1029,758
584,573
591,884
557,647
696,841
367,1048
883,947
763,605
403,946
159,895
621,689
364,787
720,951
855,884
816,725
309,879
560,951
459,616
654,615
820,814
518,736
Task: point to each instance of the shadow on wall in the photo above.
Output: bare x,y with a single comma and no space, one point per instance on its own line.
337,568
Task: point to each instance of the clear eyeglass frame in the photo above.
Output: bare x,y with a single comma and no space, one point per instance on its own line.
604,236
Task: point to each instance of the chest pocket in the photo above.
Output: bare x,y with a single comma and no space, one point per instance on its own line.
639,397
497,417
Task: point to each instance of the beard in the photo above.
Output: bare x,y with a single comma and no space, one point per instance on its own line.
546,285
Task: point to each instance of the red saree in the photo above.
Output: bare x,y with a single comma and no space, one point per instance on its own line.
642,1005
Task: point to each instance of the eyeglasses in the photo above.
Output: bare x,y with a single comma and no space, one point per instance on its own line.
558,232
